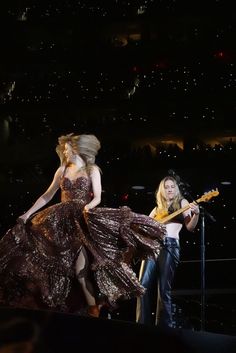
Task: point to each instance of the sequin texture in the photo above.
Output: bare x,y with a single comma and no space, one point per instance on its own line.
37,260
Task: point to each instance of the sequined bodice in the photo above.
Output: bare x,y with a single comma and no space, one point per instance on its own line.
79,189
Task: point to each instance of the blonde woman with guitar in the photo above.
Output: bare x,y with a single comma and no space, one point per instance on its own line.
173,210
159,274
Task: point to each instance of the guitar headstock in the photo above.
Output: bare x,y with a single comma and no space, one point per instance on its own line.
207,196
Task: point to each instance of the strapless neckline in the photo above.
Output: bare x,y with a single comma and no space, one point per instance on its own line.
72,181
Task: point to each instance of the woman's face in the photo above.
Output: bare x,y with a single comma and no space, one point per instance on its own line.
68,152
170,190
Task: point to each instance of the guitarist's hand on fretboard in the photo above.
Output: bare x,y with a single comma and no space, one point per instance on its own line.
194,208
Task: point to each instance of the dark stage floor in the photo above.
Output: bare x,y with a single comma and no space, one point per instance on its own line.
52,332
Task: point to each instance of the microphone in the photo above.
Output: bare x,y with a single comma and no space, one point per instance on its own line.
204,211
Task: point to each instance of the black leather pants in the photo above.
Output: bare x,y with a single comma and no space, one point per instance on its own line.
157,277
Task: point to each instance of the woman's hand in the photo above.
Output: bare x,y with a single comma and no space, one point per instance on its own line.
86,209
85,213
24,218
194,208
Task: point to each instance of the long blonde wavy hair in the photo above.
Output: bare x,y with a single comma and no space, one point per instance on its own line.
85,145
160,196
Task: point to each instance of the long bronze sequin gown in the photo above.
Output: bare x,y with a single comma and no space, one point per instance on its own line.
37,260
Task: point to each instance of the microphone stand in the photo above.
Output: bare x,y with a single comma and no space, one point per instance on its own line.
203,213
203,248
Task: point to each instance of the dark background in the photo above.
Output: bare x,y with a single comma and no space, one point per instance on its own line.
155,80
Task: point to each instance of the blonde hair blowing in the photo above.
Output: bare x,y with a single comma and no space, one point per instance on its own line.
85,145
160,195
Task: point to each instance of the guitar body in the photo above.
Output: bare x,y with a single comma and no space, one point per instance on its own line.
160,215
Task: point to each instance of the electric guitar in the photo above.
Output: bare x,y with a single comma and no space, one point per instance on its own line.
165,217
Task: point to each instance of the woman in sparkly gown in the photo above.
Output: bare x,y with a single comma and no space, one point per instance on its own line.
41,256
